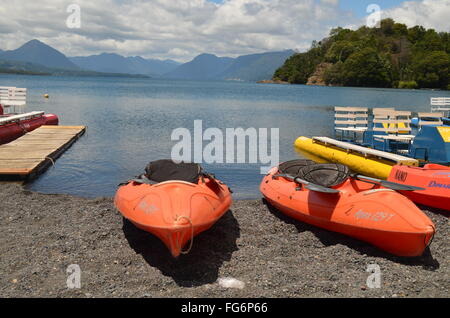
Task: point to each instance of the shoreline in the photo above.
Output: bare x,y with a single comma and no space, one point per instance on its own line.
42,234
279,82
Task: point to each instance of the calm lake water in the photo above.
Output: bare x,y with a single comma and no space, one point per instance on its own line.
130,122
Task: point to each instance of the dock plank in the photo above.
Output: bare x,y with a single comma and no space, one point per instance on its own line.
26,146
36,150
20,166
52,131
45,137
30,142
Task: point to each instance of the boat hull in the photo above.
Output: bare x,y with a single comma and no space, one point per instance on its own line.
174,211
381,217
12,131
435,179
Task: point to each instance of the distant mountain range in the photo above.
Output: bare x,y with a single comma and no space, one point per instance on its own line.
18,67
36,57
114,63
254,67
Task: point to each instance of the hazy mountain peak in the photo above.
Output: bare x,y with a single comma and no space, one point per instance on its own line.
35,43
203,66
40,53
206,55
109,54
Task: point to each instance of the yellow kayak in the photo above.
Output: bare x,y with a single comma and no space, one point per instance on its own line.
366,161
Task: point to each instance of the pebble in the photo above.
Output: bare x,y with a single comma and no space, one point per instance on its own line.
229,282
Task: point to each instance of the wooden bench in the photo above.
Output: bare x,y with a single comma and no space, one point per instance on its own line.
387,119
351,119
436,119
13,99
441,105
440,101
363,150
399,125
4,97
397,122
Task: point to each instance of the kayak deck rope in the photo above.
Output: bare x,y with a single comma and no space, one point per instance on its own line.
179,236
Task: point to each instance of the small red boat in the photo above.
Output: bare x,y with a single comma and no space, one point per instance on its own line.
434,178
15,126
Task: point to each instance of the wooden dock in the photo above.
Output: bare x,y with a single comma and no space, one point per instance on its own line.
32,153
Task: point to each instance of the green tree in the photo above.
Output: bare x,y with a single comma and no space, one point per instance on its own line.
339,34
335,74
366,68
387,27
416,34
431,41
340,51
445,41
432,70
400,29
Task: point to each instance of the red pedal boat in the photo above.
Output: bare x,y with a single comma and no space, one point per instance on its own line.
15,126
434,178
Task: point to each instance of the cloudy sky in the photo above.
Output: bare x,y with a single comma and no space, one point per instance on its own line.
182,29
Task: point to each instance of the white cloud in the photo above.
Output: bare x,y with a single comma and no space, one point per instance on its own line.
181,29
428,13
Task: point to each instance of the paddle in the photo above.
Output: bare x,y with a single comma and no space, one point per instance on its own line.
388,184
308,185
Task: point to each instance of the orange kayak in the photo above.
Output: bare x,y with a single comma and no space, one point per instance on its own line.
174,211
379,216
434,178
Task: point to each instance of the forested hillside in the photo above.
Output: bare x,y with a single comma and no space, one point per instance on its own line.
390,56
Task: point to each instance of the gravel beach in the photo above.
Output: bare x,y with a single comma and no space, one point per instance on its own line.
41,235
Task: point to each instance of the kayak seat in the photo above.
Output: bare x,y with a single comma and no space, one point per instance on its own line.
326,175
167,170
160,171
293,167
